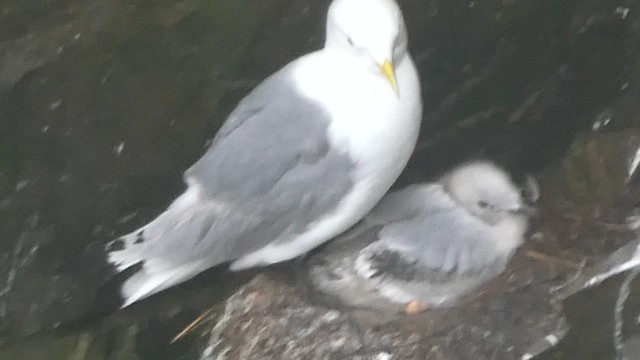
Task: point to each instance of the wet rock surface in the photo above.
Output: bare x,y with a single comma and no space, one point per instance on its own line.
104,103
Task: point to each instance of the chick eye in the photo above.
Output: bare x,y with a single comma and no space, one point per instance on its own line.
483,204
350,41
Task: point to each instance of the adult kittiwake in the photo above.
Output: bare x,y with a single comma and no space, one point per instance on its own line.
301,159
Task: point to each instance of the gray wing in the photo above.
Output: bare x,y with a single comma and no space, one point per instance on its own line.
439,240
272,168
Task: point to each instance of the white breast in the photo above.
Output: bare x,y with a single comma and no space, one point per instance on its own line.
375,126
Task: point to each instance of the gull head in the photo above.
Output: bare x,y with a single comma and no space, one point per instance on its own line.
373,31
486,191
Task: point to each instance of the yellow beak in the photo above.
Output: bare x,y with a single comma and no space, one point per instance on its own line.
390,73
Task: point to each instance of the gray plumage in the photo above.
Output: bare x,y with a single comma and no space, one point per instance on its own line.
430,242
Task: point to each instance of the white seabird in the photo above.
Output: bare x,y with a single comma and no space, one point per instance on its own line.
301,159
430,242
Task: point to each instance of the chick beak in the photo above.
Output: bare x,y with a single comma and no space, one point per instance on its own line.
389,72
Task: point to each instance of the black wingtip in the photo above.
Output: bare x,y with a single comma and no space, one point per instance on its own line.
115,245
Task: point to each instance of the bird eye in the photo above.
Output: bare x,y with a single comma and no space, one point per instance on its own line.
483,204
350,41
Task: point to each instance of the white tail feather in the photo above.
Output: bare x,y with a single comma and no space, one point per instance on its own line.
153,278
136,247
